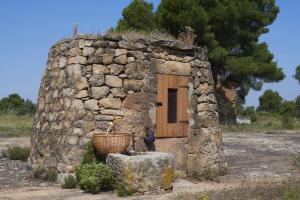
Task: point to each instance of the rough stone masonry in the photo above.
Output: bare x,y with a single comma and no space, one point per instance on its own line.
92,80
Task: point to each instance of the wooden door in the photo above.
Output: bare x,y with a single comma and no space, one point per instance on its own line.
172,106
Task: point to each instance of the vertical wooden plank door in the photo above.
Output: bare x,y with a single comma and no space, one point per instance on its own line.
172,106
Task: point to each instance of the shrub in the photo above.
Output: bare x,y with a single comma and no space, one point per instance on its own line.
122,191
296,160
94,178
51,175
38,172
89,155
69,182
292,193
42,173
287,121
202,197
210,174
18,153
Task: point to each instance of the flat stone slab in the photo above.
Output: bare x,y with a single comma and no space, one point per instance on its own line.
252,156
143,172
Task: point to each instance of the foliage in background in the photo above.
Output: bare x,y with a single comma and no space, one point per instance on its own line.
18,153
229,29
297,109
94,178
297,74
248,111
138,15
270,101
265,122
14,104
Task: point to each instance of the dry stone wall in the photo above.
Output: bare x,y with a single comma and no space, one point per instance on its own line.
92,80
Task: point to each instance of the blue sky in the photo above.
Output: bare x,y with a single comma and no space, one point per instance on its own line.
29,28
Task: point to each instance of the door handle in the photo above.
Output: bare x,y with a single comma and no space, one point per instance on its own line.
159,103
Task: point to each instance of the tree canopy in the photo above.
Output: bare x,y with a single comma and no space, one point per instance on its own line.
270,101
230,29
297,74
138,15
14,103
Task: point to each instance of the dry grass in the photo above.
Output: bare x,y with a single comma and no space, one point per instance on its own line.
15,126
134,34
261,191
266,122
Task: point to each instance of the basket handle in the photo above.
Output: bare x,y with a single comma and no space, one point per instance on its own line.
110,128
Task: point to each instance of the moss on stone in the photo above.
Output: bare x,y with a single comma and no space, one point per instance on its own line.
167,177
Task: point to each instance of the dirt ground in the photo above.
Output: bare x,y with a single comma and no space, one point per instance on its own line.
251,158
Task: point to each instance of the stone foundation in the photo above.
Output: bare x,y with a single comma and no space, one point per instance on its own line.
92,80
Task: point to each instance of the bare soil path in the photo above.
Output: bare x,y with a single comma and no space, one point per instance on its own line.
251,157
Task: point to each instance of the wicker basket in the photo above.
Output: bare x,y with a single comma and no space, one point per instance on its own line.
111,143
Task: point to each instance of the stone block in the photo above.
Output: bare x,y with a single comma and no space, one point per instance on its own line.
107,59
116,69
143,172
87,51
97,80
100,69
121,59
176,147
91,104
110,103
100,92
113,81
134,85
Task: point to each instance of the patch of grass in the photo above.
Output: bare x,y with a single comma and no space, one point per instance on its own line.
18,153
42,173
15,126
210,174
51,175
265,122
202,197
38,172
292,192
296,160
70,182
122,191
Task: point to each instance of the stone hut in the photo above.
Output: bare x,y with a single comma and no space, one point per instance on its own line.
139,83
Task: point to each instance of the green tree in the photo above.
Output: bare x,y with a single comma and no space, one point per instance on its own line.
138,15
14,103
287,108
270,101
229,29
297,109
297,74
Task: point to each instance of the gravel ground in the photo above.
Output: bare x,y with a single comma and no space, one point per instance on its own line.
251,157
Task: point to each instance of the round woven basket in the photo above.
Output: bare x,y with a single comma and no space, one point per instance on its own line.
111,143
